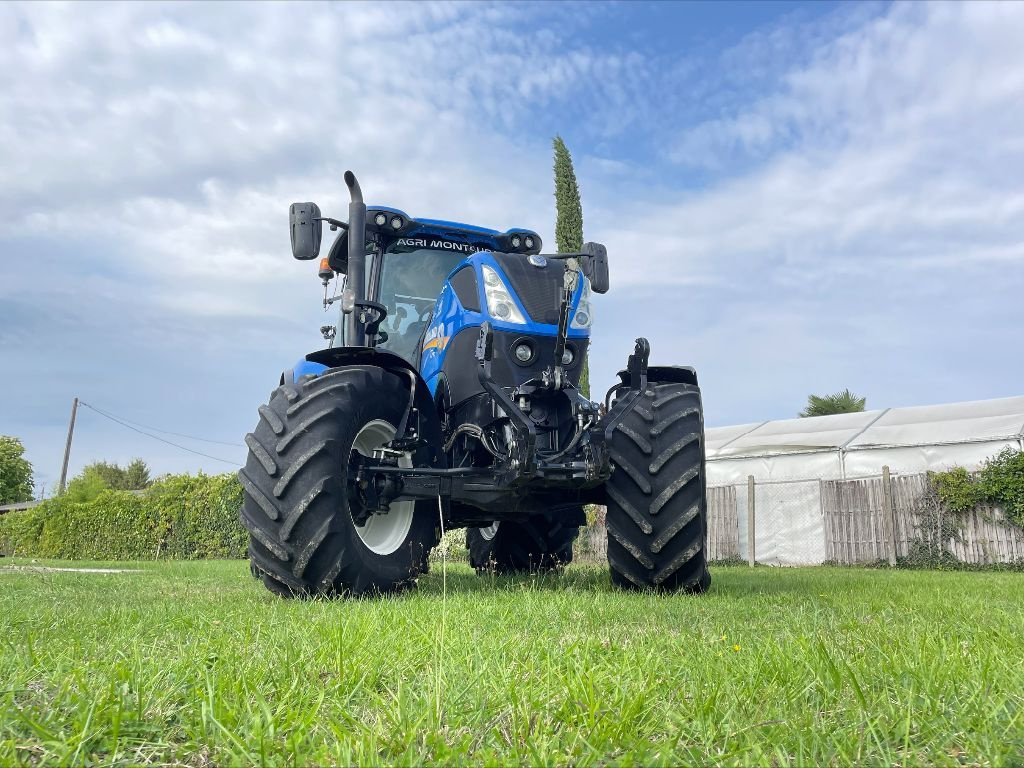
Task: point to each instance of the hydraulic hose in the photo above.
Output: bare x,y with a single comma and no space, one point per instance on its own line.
572,443
476,432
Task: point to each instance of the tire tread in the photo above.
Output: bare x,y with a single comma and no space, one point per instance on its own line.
303,541
656,498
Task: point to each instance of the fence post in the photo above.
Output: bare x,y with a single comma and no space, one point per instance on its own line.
888,523
750,521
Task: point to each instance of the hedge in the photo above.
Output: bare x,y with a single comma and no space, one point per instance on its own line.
183,517
999,483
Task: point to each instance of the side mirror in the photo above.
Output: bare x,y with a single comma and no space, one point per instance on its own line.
306,230
595,266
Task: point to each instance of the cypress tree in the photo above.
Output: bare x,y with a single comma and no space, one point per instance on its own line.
569,222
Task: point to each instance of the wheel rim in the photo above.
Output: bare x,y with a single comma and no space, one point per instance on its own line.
383,534
489,531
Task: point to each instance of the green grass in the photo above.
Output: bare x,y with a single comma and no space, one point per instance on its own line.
196,663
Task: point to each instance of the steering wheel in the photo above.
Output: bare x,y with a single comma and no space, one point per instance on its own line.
422,304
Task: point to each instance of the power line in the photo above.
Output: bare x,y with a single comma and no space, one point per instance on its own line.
156,437
167,431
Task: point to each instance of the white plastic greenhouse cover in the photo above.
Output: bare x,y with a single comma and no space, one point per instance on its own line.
858,444
788,457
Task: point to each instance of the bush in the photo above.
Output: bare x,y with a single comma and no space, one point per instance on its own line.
101,475
958,490
180,517
199,516
86,486
20,531
999,483
1002,483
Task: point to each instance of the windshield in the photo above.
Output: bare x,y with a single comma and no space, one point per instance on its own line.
410,281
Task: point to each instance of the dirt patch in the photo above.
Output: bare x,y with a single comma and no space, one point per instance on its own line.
49,569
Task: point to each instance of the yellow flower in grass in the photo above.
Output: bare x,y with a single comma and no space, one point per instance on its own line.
736,648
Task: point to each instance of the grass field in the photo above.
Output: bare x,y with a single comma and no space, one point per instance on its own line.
196,663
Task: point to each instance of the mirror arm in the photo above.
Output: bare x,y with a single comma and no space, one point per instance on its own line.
335,224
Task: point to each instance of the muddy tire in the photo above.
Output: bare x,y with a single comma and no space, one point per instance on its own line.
541,543
657,495
304,538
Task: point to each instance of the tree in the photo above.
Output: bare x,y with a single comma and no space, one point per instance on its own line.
101,475
15,472
111,474
569,222
827,405
136,476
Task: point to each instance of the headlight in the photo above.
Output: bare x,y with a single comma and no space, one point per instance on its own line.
380,219
529,242
568,356
499,298
516,241
396,222
583,316
523,353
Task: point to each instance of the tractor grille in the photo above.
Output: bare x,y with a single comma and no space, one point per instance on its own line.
539,288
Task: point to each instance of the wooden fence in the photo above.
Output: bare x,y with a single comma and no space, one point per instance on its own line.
854,525
857,531
870,520
723,524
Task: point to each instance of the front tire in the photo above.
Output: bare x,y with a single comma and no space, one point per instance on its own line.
305,539
540,543
657,496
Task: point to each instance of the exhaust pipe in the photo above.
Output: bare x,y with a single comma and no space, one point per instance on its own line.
354,335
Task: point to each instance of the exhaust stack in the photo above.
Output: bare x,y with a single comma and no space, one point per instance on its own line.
354,331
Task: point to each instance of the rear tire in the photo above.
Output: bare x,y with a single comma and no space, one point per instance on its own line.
657,496
541,543
304,540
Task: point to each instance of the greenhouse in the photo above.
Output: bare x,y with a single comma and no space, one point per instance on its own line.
788,459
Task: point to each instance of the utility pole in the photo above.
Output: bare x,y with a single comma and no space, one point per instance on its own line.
67,446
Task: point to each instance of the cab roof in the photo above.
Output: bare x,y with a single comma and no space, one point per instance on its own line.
390,224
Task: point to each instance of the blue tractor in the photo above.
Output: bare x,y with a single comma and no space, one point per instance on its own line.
448,397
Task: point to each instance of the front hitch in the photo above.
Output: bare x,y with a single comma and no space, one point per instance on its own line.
526,461
636,371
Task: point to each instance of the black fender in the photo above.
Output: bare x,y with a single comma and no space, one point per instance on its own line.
430,424
656,374
665,374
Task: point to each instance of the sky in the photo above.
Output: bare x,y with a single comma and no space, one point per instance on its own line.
795,197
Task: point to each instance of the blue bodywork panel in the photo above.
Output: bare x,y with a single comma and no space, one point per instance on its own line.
450,317
306,368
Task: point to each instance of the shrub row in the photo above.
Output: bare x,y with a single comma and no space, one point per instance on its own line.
185,517
1000,482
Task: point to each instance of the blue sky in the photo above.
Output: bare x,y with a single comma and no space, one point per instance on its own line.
796,197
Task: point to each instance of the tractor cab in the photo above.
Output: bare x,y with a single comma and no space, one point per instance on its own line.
407,263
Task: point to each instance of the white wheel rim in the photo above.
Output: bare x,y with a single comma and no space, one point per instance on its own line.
383,534
489,531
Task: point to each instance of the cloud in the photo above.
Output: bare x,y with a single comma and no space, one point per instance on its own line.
870,236
842,206
151,151
888,77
